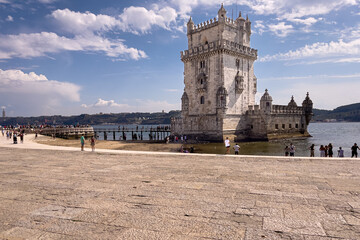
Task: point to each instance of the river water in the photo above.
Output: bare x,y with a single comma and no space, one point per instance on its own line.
339,134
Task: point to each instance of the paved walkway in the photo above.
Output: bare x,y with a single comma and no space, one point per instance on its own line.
47,194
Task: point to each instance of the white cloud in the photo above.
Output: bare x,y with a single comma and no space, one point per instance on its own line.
171,90
307,21
9,19
110,103
40,44
133,19
331,51
83,23
281,29
47,1
140,20
260,27
283,9
4,1
88,32
139,105
31,92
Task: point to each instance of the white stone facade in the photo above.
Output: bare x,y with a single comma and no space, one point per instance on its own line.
220,84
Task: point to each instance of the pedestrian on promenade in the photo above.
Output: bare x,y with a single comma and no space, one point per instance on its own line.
326,150
236,149
92,143
330,150
227,145
322,151
340,152
21,137
312,150
15,138
287,150
354,149
292,150
82,141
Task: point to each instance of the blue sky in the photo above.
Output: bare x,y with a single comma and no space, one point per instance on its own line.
69,57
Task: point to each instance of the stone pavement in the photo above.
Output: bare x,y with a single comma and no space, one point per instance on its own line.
47,194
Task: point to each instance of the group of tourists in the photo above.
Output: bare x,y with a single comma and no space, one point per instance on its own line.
327,151
92,143
14,135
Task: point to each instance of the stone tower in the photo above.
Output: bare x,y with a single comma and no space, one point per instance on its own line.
220,87
3,113
218,76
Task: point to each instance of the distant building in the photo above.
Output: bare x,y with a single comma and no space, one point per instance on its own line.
3,113
220,87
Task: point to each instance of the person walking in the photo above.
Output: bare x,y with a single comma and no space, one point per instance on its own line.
227,145
92,143
354,149
312,150
21,137
236,149
292,150
82,141
340,152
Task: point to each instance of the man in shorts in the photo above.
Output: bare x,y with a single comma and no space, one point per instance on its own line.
227,145
292,150
236,149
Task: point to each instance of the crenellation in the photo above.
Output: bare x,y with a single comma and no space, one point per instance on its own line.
219,45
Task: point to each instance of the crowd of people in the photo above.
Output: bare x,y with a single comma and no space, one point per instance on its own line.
13,134
327,151
289,150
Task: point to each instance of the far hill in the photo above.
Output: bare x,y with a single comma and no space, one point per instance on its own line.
347,113
95,119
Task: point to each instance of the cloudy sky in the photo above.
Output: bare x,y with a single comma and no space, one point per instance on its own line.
71,57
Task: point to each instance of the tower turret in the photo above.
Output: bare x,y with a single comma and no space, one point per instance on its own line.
248,26
266,102
292,103
222,13
190,25
307,108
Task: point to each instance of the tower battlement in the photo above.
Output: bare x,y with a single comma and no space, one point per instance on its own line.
233,47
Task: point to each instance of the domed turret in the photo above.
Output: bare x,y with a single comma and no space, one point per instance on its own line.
266,102
266,96
292,103
240,18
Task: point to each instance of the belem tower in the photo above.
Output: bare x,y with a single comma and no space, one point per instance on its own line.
220,87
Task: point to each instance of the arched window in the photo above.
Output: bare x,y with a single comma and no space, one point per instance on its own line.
221,97
185,102
202,100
